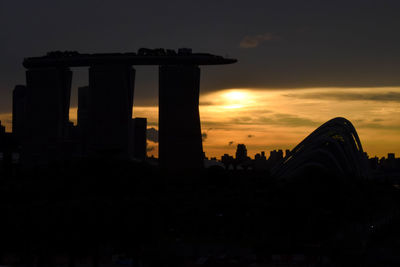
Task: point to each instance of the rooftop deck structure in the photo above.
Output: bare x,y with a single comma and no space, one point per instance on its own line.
110,101
143,57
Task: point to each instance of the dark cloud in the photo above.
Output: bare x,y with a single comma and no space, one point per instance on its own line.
250,136
206,103
294,121
350,96
152,135
150,148
324,43
230,143
379,126
6,121
204,136
259,118
275,119
152,123
244,120
252,41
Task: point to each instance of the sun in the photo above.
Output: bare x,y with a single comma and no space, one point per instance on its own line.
238,99
234,99
235,96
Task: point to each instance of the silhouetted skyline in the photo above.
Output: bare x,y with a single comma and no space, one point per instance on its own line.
290,45
263,163
105,126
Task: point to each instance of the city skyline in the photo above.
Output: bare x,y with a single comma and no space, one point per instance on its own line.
280,119
104,123
200,133
345,52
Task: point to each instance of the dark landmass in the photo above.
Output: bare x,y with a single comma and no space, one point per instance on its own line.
95,209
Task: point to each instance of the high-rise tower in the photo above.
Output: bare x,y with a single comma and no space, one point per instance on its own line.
110,102
105,107
47,113
179,120
139,138
83,118
19,111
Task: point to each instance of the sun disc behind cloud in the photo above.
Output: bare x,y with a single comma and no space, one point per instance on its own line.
234,99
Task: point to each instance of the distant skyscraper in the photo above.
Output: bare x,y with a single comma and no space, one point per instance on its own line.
47,113
19,110
83,106
276,155
227,160
110,110
2,130
2,146
241,152
263,155
83,117
139,126
179,119
105,107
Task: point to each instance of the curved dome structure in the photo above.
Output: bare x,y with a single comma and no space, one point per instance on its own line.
334,148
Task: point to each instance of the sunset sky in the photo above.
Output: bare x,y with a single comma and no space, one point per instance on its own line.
300,63
271,119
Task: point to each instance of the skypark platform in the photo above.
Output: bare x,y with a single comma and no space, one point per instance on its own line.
105,121
144,56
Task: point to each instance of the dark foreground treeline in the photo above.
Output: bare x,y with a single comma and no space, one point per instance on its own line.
97,209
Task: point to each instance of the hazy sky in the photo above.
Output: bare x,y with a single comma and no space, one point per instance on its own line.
286,45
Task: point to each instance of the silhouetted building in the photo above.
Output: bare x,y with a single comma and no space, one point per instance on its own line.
47,114
276,155
179,119
241,152
2,144
105,107
213,163
83,106
263,155
390,162
227,160
260,156
332,149
139,138
19,110
260,161
2,141
110,110
373,162
83,118
2,130
9,153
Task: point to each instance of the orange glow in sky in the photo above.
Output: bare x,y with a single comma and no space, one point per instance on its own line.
266,119
279,119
